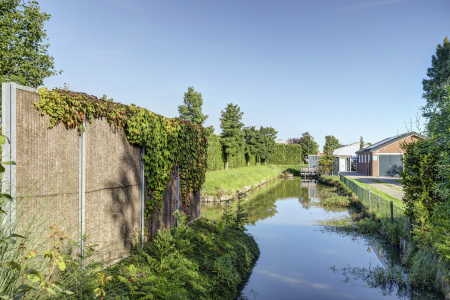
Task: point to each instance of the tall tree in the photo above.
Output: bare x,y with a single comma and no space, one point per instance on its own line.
192,109
436,90
260,143
362,145
309,146
24,57
252,138
267,142
326,160
331,144
232,136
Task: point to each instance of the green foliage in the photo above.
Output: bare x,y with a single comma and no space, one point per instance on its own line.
260,143
326,162
331,144
309,146
192,109
204,260
436,108
232,136
241,216
327,159
286,155
338,201
168,142
23,55
438,120
40,283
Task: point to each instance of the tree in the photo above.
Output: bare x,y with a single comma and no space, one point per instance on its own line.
309,146
267,143
23,55
232,136
326,160
331,144
307,143
362,145
192,109
252,137
260,143
436,90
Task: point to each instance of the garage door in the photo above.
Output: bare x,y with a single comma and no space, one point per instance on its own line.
389,165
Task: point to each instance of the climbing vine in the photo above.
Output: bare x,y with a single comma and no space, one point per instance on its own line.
168,142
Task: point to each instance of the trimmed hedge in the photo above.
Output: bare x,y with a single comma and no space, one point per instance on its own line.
284,155
216,159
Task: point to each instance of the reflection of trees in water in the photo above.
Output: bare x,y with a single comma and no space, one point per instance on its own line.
261,204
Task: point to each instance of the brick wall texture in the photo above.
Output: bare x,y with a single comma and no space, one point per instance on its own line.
363,166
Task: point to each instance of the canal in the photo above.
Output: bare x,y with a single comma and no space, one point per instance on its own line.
302,260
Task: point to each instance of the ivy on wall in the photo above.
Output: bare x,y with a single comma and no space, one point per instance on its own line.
168,142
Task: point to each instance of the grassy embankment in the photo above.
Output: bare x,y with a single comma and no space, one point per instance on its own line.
226,182
397,202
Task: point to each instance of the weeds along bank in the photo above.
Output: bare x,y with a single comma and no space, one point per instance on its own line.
205,260
95,216
425,266
223,184
283,155
98,168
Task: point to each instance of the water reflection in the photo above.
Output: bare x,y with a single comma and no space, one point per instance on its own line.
296,257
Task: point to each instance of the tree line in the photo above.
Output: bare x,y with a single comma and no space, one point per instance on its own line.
235,138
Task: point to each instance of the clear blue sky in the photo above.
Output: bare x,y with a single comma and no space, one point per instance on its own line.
340,67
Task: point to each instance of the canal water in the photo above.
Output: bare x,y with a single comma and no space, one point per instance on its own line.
302,260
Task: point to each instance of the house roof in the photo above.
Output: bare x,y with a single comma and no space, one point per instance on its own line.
387,141
347,150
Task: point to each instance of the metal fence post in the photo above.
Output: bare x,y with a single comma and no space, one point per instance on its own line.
370,202
142,194
82,193
392,211
9,119
379,203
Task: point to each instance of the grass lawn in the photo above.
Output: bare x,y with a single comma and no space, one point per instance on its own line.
397,202
226,182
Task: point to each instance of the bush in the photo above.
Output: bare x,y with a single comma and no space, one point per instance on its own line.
339,201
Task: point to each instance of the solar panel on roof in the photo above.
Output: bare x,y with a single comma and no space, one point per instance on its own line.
383,142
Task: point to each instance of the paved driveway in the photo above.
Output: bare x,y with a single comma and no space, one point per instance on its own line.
388,185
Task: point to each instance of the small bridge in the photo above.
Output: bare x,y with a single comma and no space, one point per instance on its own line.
309,171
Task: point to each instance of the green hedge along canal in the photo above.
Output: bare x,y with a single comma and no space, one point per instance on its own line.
300,260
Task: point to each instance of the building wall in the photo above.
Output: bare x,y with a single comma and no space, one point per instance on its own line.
395,148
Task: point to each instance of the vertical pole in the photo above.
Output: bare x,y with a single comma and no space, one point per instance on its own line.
142,196
392,212
370,202
9,119
177,184
379,203
82,192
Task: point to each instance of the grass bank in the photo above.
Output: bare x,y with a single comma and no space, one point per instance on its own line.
424,268
226,182
396,201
